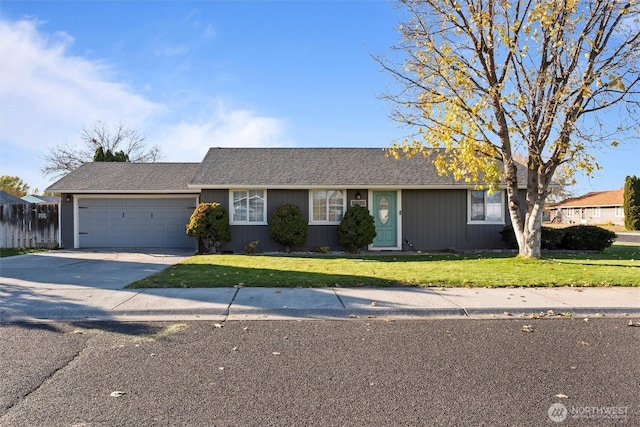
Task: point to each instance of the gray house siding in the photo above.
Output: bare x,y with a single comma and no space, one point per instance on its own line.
241,235
431,220
437,220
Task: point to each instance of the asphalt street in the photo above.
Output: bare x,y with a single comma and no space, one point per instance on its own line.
357,372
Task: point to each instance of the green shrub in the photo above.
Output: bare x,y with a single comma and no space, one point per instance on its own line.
357,228
550,238
509,237
288,226
209,224
322,249
252,247
587,238
631,203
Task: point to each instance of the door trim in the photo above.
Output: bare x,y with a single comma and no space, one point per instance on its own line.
398,213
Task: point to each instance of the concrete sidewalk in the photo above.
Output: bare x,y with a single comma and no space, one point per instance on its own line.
81,303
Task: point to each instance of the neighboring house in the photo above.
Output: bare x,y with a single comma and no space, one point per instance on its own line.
33,198
9,199
601,207
149,204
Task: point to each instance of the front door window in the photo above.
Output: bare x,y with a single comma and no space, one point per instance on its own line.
383,210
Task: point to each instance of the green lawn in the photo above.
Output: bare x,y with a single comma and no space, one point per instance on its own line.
617,266
13,252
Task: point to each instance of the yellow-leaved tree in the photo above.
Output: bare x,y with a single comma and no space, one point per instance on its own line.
484,80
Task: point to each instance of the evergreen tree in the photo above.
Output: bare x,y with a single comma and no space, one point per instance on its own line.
631,204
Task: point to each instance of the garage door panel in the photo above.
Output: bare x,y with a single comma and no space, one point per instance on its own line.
130,222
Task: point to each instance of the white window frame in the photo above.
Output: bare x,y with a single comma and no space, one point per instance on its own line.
596,212
619,211
501,221
326,221
262,221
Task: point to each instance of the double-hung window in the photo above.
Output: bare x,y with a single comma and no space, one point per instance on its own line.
486,208
248,206
327,206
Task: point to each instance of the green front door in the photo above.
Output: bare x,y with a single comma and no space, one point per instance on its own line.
384,210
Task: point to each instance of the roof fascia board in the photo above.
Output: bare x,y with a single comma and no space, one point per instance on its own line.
348,187
135,196
131,192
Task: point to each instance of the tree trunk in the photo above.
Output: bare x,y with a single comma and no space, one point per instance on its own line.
528,229
532,245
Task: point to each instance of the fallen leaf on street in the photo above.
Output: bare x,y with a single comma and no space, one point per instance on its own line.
584,343
275,353
527,328
632,323
562,396
219,325
117,393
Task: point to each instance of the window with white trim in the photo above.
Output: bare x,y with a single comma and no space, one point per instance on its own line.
248,206
486,208
619,211
595,212
327,206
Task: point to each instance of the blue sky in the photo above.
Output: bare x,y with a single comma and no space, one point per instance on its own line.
192,75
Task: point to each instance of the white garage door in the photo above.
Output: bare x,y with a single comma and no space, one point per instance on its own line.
135,222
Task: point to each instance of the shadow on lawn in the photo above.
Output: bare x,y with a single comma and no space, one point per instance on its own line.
221,276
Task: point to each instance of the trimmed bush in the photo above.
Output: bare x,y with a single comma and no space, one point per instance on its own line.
631,203
550,238
357,228
509,237
587,238
577,237
209,224
288,226
252,247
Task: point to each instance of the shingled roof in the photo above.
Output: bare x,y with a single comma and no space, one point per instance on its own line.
117,177
9,199
318,167
596,198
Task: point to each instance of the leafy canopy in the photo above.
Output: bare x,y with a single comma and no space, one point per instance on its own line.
13,185
484,80
500,76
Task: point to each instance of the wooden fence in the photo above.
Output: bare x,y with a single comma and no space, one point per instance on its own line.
29,225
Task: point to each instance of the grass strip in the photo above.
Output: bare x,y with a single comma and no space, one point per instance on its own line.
617,266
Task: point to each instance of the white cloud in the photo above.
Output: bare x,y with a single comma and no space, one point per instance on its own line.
190,140
45,87
47,95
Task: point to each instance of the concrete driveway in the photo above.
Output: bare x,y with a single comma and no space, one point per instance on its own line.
94,269
76,284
